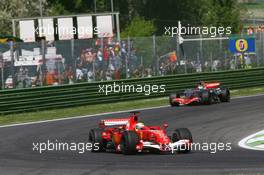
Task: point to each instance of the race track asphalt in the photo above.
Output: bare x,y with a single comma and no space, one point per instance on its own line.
226,122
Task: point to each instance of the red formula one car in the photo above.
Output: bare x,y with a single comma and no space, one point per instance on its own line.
204,93
129,136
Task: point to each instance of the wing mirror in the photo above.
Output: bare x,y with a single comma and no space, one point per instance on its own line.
165,125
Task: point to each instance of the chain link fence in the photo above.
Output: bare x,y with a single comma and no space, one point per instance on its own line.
25,65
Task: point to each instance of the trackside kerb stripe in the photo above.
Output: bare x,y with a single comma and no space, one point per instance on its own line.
107,113
244,142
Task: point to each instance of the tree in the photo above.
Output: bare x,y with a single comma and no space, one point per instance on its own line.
160,13
169,12
58,7
190,12
16,9
226,13
139,27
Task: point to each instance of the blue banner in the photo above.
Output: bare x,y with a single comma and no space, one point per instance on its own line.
242,45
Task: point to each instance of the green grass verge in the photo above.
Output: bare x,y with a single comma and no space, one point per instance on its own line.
257,136
256,143
101,108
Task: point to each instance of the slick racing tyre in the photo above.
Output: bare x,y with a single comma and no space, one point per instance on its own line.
225,95
129,142
182,134
173,96
95,137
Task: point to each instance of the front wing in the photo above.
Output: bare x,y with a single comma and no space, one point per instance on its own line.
171,147
186,101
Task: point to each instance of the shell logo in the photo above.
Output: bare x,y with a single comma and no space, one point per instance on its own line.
241,45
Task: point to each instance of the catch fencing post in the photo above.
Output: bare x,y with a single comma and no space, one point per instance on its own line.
11,44
211,60
73,60
117,27
102,49
43,53
142,66
225,59
201,52
221,45
256,50
262,46
128,55
14,27
185,64
2,70
236,66
155,55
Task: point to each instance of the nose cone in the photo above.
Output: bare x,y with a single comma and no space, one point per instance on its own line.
166,140
162,138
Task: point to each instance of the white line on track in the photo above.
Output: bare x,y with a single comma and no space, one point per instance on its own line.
248,96
93,115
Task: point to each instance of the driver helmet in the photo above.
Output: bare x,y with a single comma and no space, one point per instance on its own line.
139,125
201,85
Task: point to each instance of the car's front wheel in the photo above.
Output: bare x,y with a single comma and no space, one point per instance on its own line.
182,134
129,142
172,97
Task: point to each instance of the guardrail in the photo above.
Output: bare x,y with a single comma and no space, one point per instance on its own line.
53,97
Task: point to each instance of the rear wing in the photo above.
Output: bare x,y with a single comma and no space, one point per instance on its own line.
114,122
128,122
212,85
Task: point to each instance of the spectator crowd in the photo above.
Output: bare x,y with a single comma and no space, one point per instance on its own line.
109,60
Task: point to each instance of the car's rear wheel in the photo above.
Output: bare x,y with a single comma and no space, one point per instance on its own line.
172,97
182,134
225,95
129,142
95,137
